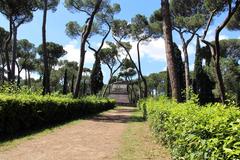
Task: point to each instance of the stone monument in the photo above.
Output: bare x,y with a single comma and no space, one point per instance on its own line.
119,92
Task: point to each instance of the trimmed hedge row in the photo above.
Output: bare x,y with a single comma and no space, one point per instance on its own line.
22,112
193,132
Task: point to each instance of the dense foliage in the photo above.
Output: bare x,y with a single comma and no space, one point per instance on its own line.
194,132
19,112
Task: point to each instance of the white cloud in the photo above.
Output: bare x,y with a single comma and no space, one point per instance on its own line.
74,53
155,50
211,35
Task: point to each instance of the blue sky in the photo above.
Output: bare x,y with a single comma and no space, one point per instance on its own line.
153,56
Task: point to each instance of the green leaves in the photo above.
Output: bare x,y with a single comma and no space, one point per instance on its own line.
73,29
121,28
190,16
19,112
194,132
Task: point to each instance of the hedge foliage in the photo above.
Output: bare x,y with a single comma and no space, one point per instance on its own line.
193,132
20,112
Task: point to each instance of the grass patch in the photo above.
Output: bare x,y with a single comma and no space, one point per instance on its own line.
138,143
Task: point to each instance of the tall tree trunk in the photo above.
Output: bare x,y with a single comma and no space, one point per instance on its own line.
108,84
18,79
14,53
26,77
140,86
2,68
85,35
6,49
65,82
186,71
46,76
145,94
72,85
167,32
168,85
29,80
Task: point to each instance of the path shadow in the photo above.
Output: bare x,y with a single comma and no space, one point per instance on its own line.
93,117
39,129
116,117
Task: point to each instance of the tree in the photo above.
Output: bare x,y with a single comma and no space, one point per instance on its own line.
229,65
65,82
18,13
54,51
104,17
202,85
110,57
234,23
128,74
3,35
153,80
90,8
121,30
214,8
46,5
71,68
141,30
96,77
231,78
179,65
187,19
167,33
26,59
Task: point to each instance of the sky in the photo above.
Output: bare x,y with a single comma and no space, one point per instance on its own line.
153,56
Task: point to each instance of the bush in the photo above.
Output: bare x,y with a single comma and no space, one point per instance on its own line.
20,112
194,132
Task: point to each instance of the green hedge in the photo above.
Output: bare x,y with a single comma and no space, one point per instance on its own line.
23,112
194,132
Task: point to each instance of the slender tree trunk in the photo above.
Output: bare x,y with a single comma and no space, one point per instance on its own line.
26,77
84,38
29,80
140,86
167,32
217,68
72,85
65,83
168,85
18,76
140,70
6,49
14,53
186,70
108,84
2,69
46,76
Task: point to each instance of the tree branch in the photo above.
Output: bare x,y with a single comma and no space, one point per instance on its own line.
91,48
208,24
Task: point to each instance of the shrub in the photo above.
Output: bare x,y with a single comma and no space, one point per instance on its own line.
194,132
20,112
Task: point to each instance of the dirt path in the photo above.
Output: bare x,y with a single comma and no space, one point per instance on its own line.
98,138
